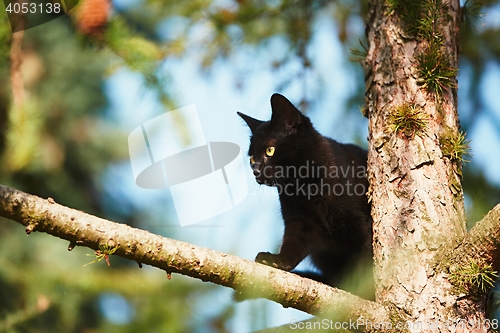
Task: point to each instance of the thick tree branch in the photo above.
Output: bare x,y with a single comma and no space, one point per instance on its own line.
290,290
482,242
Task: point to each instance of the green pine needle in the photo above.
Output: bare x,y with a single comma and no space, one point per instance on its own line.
435,71
475,277
358,54
456,148
472,13
104,252
410,13
408,119
423,19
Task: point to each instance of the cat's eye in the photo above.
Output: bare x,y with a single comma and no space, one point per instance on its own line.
252,160
270,151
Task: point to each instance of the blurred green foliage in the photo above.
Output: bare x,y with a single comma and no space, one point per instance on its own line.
59,143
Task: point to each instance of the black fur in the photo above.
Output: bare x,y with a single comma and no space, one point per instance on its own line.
326,213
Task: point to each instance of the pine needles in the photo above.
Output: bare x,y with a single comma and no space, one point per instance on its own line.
435,71
423,20
471,13
456,147
474,278
408,119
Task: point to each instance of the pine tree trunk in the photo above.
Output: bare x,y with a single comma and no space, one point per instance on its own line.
416,193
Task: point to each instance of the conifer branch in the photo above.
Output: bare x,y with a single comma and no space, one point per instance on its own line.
482,243
172,256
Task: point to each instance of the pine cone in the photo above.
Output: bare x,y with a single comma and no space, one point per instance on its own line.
92,16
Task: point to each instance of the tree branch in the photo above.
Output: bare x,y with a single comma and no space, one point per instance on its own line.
172,256
482,242
16,60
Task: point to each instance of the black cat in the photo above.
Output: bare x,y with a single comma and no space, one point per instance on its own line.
322,190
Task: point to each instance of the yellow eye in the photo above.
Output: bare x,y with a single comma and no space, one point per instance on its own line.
270,151
252,160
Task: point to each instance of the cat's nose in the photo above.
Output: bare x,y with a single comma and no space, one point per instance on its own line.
256,169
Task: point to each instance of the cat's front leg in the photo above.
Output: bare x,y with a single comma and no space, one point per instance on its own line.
297,244
273,260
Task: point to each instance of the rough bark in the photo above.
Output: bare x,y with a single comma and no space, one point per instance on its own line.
482,243
416,193
290,290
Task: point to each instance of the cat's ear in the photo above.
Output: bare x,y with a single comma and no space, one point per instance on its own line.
284,113
251,122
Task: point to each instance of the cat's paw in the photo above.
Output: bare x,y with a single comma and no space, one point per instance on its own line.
272,260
